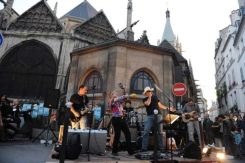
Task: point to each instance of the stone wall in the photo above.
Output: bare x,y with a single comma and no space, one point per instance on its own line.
118,64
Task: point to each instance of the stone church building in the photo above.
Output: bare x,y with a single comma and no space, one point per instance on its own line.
43,52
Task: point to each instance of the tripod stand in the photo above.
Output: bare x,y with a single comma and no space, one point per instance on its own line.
48,128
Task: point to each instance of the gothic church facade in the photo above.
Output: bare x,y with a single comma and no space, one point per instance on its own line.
42,52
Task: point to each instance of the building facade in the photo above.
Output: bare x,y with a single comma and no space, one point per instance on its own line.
229,64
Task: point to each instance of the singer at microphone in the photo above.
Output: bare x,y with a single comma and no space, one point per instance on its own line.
152,105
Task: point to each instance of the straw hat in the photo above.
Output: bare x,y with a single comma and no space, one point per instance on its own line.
147,89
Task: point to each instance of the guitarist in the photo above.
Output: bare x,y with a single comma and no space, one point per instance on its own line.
192,109
79,108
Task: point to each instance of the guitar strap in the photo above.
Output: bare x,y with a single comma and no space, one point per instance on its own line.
84,102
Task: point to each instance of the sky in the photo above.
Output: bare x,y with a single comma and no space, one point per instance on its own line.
195,22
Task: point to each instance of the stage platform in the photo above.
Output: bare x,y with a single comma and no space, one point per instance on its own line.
125,158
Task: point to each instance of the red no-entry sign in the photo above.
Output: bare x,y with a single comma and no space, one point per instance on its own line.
179,89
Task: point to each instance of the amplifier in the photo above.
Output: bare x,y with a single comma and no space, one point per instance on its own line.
97,140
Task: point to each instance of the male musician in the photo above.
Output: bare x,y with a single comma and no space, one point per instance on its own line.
79,108
128,109
151,103
192,110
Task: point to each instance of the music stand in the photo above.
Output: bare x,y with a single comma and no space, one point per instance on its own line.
48,128
170,118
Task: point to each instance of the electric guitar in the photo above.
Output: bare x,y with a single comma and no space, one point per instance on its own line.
191,116
83,112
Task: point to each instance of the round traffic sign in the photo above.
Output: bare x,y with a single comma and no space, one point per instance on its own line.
179,89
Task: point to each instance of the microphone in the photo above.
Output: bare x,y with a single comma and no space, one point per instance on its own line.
155,111
68,104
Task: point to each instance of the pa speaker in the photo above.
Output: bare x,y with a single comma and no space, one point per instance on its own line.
51,99
192,150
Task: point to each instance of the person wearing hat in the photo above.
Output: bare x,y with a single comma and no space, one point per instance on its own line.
152,104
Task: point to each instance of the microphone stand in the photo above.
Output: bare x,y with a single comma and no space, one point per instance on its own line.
169,116
90,123
156,130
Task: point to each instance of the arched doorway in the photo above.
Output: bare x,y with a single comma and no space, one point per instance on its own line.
28,70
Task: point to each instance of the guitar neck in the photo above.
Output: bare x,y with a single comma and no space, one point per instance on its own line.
86,110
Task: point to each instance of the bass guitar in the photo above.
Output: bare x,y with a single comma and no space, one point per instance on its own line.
191,116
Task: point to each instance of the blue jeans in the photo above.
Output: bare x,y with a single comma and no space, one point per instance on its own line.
148,124
192,126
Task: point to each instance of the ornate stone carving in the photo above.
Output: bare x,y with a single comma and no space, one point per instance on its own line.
39,18
97,27
143,39
5,14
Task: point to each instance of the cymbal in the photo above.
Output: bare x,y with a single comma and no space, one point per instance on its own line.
140,107
142,113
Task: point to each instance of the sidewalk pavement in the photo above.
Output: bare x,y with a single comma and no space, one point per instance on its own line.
24,151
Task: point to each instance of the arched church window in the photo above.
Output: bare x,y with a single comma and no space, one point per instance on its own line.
94,82
139,81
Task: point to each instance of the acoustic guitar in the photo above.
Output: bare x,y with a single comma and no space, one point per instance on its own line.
191,116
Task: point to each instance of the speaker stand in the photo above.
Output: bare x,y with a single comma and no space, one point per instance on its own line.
47,129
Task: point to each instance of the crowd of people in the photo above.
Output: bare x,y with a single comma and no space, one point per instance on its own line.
9,117
10,121
227,130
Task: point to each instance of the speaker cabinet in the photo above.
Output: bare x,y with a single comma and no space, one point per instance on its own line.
51,99
97,140
192,150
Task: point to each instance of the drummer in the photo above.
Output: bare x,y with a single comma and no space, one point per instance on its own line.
128,109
